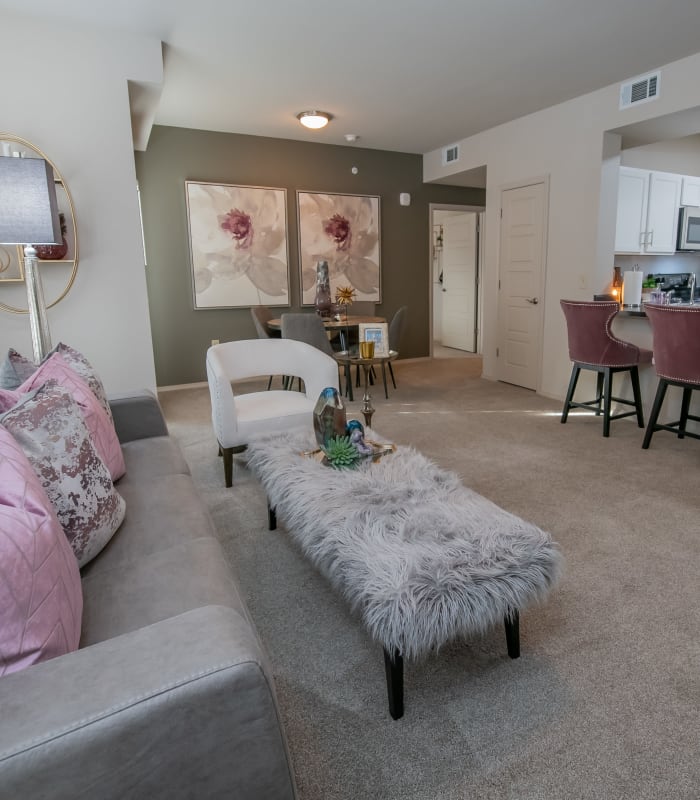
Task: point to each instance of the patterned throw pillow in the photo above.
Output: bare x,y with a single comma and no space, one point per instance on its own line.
101,428
41,601
16,369
48,426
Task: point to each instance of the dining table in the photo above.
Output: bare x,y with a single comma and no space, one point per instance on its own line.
342,325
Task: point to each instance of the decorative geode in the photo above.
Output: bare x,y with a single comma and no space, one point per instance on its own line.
329,416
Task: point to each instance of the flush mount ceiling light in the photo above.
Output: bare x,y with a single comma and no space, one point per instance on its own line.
314,119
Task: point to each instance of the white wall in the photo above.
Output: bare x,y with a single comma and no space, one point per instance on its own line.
565,142
674,155
68,96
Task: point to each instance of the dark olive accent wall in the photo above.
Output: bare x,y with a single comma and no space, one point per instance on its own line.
182,335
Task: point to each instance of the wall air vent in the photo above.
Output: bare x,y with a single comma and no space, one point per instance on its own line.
640,90
450,154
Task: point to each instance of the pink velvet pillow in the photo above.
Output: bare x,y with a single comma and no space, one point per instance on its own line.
48,426
101,428
41,601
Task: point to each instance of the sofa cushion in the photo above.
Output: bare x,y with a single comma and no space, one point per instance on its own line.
161,513
99,424
41,600
22,368
189,575
152,458
49,426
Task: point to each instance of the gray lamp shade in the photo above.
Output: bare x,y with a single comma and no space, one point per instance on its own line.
28,209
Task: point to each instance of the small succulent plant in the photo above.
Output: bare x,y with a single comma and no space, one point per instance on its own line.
341,453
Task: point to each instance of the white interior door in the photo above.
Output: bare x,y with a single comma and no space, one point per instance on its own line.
459,275
521,273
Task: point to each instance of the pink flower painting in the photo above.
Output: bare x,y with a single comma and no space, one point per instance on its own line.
238,242
344,231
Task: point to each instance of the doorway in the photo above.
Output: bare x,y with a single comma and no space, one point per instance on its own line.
455,254
521,276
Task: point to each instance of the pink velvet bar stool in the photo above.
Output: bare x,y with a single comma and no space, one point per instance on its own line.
593,346
676,331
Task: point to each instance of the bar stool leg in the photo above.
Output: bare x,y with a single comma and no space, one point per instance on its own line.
575,372
599,392
607,400
658,402
685,405
634,375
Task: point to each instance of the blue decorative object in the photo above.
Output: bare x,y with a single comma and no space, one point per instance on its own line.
356,432
329,416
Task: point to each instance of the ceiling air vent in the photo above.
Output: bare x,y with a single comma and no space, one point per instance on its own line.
450,154
640,90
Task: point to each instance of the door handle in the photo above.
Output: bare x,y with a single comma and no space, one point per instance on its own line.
533,300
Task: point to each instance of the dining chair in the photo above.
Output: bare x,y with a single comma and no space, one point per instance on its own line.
397,328
309,328
593,346
261,316
676,332
238,417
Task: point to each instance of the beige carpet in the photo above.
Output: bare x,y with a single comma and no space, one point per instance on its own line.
604,701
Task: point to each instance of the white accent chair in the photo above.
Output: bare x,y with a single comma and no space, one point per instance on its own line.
239,417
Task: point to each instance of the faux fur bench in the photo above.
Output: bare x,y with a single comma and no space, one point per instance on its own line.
421,558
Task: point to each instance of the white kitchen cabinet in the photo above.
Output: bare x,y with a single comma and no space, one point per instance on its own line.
690,191
647,211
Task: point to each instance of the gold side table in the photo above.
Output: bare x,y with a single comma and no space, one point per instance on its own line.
354,359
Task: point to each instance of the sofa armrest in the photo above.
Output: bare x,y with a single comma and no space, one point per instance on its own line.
183,708
138,417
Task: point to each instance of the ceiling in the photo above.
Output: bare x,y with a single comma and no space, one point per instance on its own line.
407,75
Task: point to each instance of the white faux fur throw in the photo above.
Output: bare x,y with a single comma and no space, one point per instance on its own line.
419,556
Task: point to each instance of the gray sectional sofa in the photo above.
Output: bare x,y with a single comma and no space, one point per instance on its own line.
170,694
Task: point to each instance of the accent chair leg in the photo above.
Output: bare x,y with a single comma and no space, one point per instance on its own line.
393,666
634,375
512,623
269,384
227,453
685,406
607,400
573,380
655,409
386,391
271,517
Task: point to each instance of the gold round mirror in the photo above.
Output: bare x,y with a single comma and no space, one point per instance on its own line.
12,256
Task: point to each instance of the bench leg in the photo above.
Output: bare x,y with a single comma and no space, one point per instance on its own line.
271,518
394,683
512,623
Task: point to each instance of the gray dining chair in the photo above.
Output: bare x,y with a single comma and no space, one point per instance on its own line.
261,316
397,327
309,328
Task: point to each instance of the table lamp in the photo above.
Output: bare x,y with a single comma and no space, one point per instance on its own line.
29,214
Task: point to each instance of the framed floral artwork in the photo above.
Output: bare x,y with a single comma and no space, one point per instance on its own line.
342,229
238,245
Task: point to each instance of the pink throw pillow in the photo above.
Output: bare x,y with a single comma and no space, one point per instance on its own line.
21,368
101,428
41,601
48,426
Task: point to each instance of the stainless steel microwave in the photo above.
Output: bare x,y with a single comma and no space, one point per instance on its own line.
689,228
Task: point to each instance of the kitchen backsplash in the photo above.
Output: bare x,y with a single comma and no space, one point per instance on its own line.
660,265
